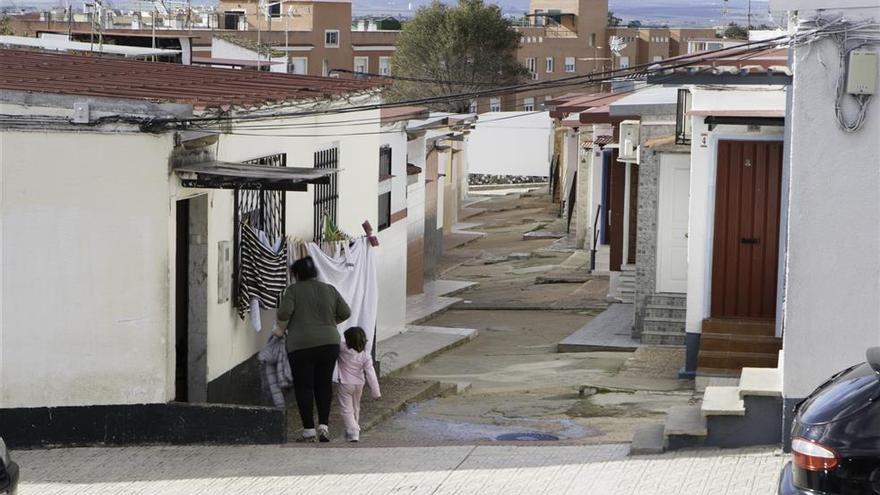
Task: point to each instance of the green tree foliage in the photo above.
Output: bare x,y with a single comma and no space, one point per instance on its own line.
5,29
613,20
462,48
735,31
634,24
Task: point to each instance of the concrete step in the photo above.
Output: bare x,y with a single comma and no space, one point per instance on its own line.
685,427
628,268
648,439
722,401
668,300
739,326
701,383
662,338
735,361
666,312
761,344
760,382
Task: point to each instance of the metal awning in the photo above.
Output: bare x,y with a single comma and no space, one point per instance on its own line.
230,175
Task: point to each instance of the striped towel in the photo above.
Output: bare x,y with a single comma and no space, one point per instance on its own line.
263,272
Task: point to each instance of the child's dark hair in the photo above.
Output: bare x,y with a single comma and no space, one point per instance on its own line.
356,339
304,269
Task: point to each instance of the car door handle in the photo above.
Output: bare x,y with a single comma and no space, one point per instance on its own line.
749,240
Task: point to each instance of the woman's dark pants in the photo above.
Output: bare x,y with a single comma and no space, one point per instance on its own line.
313,382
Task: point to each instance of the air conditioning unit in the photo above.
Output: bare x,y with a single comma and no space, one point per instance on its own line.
629,141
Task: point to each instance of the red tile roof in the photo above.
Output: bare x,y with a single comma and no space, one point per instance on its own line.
393,114
202,87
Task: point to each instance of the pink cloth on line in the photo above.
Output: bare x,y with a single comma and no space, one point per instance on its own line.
356,368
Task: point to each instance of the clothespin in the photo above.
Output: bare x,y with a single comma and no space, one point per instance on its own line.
368,229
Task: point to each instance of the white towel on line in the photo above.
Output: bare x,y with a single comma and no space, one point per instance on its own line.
353,272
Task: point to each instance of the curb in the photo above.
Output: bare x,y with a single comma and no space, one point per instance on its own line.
432,355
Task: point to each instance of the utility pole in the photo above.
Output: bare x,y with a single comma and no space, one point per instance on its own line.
749,22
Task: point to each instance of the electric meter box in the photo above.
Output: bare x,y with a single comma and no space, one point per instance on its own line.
629,141
861,74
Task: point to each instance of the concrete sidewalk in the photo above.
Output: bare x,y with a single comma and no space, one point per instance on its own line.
435,298
608,331
467,469
417,345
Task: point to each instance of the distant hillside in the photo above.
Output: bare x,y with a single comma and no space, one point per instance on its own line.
670,12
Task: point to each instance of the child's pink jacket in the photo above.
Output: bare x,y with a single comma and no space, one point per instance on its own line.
354,366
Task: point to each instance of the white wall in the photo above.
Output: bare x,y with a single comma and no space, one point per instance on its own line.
391,259
415,207
85,315
231,340
511,143
221,48
702,187
831,311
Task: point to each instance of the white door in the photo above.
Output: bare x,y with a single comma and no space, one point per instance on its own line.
672,224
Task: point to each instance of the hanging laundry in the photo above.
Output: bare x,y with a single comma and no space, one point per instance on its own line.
263,273
352,270
275,374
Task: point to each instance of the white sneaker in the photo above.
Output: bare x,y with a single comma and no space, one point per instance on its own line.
323,433
308,436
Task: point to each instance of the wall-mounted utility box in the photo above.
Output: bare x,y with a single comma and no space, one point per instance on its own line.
629,141
861,75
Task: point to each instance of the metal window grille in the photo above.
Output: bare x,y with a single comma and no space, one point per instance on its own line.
384,211
384,161
326,195
262,210
682,122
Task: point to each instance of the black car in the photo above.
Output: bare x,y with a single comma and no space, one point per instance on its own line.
8,471
836,435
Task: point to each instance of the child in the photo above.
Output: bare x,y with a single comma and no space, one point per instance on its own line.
354,364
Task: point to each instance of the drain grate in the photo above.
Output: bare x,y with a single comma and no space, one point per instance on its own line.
526,437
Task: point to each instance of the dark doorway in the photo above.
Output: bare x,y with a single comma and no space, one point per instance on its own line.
191,300
181,303
617,202
231,19
746,237
633,213
607,158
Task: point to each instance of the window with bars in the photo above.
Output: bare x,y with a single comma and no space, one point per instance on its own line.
263,210
384,198
682,120
384,162
326,195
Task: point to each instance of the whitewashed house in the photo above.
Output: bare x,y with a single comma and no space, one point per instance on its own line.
828,311
492,158
121,185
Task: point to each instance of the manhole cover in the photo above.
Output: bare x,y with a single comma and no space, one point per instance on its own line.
526,437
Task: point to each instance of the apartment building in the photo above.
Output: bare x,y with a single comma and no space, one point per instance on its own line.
318,36
562,38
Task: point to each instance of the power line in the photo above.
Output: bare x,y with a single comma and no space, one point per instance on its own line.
592,79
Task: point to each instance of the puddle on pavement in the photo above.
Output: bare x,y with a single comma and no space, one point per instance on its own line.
412,422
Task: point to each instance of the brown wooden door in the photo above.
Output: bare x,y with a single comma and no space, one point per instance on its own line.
746,240
617,191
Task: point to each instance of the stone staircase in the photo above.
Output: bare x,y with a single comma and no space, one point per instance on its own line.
625,288
729,345
729,416
603,260
664,320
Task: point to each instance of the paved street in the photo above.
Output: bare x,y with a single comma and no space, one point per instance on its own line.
484,470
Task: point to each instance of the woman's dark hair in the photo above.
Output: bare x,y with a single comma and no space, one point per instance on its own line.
304,269
356,339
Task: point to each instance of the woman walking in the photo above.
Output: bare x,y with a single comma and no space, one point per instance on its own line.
309,311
